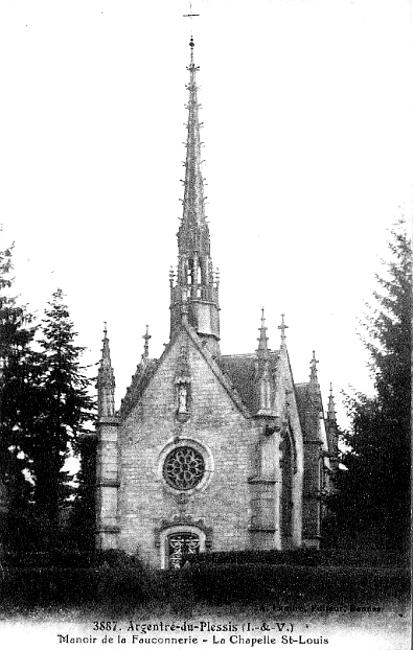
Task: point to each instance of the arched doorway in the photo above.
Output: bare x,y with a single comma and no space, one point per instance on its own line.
181,539
181,548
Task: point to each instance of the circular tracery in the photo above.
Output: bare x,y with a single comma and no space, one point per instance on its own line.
183,468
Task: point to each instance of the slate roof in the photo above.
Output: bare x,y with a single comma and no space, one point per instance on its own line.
302,396
241,372
144,372
307,412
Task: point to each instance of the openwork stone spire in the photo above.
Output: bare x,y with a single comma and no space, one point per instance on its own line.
194,289
106,381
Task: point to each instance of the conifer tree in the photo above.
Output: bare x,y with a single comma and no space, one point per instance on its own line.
81,527
374,497
16,386
66,408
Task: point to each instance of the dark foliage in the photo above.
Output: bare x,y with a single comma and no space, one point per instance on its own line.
351,556
18,390
298,557
64,409
81,528
373,505
123,588
251,583
45,406
61,558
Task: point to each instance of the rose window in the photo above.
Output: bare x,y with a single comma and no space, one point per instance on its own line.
184,468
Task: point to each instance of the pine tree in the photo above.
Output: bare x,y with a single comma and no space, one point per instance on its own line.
16,388
65,412
81,527
374,499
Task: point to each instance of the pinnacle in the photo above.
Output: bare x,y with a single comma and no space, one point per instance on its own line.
283,327
331,411
106,379
146,337
313,369
105,358
263,338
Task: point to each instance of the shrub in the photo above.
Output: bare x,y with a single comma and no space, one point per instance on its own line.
64,559
305,557
264,584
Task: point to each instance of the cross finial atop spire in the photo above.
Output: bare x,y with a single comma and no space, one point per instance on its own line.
146,337
191,42
191,14
283,327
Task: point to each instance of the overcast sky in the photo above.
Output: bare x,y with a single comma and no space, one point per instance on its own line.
307,128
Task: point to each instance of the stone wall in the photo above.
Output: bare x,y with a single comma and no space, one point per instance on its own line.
218,426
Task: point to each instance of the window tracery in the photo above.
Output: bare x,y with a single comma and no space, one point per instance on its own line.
182,547
184,468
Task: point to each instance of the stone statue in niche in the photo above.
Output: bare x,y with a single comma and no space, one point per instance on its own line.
182,398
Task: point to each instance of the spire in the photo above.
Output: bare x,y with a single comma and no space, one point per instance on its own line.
283,327
106,380
195,282
331,411
263,338
193,235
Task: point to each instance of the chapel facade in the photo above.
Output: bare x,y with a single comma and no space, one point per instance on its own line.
210,452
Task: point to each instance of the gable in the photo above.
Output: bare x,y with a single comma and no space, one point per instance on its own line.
157,379
140,380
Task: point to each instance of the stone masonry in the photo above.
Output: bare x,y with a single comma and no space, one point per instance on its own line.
209,452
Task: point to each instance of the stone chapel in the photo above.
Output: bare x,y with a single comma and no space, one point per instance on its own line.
210,452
